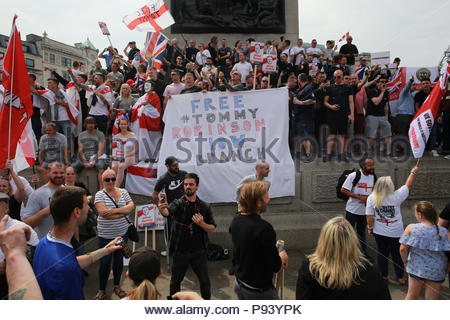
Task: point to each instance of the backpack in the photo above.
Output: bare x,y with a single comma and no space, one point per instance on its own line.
342,179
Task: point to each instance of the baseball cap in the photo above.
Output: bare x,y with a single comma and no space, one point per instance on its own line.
4,197
171,161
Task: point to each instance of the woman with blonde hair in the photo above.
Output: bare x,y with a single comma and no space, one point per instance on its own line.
125,101
113,206
384,221
338,269
123,149
422,248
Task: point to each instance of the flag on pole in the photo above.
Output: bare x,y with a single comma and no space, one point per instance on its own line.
420,128
73,110
104,28
16,107
344,37
26,149
154,16
155,46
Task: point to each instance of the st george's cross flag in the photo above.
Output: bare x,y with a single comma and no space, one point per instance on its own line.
420,128
154,16
17,108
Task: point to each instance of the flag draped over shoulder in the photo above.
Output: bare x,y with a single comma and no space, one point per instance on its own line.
146,124
420,128
154,16
17,107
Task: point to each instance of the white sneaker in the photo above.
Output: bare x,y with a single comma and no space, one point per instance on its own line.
434,153
164,253
447,157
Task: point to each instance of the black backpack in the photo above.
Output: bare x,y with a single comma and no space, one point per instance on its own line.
216,252
342,179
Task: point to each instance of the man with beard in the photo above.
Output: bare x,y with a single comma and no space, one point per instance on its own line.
193,220
37,211
358,186
172,184
59,271
255,255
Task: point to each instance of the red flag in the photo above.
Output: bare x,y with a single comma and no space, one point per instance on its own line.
420,128
17,107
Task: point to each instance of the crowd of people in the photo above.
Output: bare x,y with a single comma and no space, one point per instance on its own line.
326,88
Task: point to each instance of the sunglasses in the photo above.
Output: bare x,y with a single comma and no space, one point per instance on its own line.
265,81
109,179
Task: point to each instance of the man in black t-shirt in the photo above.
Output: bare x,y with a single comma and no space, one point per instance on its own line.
189,84
340,103
191,51
193,220
349,50
172,184
377,122
303,108
224,53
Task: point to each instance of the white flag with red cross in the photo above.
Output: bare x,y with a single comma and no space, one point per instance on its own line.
154,16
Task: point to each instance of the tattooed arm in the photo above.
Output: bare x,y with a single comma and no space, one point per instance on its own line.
21,280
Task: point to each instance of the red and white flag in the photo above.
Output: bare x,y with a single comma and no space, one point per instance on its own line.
104,28
256,52
26,149
146,124
17,107
154,16
141,178
73,111
269,63
420,128
344,37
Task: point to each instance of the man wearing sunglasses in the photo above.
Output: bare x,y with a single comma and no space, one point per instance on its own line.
377,114
340,112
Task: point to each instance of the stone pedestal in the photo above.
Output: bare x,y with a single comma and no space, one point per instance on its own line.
291,30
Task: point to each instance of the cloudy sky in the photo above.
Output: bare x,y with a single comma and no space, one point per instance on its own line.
415,30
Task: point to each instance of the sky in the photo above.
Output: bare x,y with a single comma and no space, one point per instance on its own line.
414,30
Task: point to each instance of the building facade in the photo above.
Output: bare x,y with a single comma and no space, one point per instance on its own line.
43,53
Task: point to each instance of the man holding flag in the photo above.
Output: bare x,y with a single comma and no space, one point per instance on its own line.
17,107
422,124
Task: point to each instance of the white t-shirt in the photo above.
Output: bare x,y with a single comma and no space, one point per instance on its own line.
100,109
299,58
34,240
388,218
364,187
201,57
244,69
315,51
287,52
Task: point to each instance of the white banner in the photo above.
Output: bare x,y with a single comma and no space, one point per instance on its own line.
380,58
149,217
141,178
221,136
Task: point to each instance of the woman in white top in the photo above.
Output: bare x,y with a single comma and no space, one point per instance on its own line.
384,221
123,150
113,206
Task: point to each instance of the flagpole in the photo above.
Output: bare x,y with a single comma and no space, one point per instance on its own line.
417,163
12,87
109,39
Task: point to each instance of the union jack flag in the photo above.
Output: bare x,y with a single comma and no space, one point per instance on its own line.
360,71
395,83
155,46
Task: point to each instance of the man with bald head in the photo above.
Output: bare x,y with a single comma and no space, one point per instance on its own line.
340,112
262,170
349,50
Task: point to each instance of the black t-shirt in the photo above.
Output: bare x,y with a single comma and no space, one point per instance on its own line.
190,90
159,86
186,235
373,109
14,208
132,53
226,71
223,52
181,69
255,255
305,112
339,95
420,97
349,48
213,52
445,214
173,185
371,286
191,53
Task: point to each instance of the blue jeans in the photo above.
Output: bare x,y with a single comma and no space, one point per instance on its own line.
65,127
105,263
